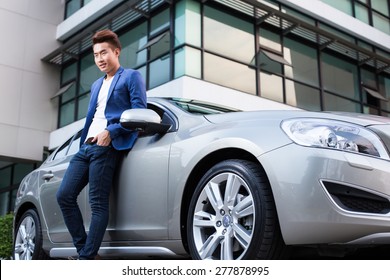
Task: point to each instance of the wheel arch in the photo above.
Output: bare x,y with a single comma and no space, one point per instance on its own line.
199,170
19,215
23,209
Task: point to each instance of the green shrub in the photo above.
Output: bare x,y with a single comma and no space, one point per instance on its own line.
6,236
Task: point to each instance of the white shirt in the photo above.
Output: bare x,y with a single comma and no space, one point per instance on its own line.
99,122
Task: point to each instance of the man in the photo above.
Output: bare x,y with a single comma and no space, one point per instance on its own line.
102,141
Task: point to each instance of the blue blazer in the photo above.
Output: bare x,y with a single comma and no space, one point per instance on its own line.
127,91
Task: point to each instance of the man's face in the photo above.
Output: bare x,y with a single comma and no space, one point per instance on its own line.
106,58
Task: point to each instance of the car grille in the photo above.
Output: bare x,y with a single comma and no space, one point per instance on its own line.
356,200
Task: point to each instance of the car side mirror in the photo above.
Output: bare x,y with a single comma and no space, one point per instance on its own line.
144,120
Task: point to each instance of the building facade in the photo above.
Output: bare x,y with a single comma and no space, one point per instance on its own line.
251,54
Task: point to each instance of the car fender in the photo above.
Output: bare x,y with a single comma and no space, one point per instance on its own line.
183,161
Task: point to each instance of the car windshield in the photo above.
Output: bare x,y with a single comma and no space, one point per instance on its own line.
200,107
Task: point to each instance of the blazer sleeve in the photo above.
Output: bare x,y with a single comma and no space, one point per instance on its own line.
136,98
137,91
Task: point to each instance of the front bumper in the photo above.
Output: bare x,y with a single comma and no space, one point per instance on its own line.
310,213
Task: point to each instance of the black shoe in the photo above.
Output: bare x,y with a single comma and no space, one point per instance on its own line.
97,257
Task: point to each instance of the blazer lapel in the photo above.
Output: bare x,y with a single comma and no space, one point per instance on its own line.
116,78
94,97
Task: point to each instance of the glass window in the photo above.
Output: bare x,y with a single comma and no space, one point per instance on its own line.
268,64
20,171
67,113
304,62
342,5
69,94
361,13
368,78
89,73
229,73
5,177
142,70
299,15
161,46
229,36
302,96
72,6
188,62
365,45
381,6
270,40
74,146
381,22
69,73
61,152
159,71
337,32
131,42
4,201
370,110
159,23
200,107
82,108
335,103
271,87
188,23
13,199
340,76
384,88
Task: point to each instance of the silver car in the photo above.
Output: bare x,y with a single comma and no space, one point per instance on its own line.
209,182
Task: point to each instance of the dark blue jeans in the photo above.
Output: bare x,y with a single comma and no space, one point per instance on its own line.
95,165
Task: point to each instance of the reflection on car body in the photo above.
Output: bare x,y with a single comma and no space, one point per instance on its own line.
215,183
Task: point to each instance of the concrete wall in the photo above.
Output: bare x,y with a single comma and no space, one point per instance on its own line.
27,113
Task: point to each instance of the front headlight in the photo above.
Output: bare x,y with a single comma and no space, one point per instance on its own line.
333,134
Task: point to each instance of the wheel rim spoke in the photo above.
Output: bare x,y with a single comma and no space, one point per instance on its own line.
27,255
232,188
200,222
224,218
244,208
18,249
214,196
242,235
227,248
31,248
25,240
209,247
22,232
30,226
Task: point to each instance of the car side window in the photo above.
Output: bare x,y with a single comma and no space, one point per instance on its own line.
70,147
75,145
61,152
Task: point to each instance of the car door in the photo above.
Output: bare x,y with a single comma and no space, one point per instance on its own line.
50,178
139,199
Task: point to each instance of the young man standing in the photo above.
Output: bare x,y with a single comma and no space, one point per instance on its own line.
102,140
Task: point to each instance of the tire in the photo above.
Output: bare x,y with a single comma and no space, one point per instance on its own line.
232,215
28,238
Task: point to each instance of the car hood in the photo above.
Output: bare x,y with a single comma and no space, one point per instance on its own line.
356,118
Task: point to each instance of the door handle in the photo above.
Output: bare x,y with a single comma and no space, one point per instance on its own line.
48,176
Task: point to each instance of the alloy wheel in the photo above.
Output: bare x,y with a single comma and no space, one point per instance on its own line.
224,218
